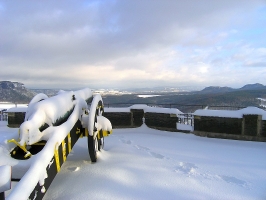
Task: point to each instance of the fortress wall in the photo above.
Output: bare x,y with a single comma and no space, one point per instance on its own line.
218,124
250,127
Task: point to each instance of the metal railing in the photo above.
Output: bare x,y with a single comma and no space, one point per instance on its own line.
3,116
186,118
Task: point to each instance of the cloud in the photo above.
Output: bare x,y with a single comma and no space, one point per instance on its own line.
114,43
255,64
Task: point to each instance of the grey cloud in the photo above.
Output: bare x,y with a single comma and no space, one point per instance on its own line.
59,35
255,64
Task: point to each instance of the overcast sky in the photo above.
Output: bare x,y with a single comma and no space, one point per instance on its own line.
133,43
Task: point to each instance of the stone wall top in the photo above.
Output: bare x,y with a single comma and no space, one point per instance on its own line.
231,113
17,109
146,109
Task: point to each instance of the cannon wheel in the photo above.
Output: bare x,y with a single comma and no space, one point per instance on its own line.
95,144
93,147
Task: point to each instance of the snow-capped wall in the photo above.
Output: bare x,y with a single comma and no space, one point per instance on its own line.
145,108
133,116
232,113
245,124
17,109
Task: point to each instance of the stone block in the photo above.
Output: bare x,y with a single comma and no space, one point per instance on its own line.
137,117
161,121
252,124
263,128
15,119
119,119
218,124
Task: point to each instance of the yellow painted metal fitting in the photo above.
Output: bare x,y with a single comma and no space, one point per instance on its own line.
57,162
69,142
64,150
28,154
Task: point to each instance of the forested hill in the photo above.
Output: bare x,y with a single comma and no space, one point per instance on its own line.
217,89
14,92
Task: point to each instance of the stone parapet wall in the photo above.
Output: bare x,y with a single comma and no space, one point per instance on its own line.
135,118
161,121
15,119
119,119
251,127
218,124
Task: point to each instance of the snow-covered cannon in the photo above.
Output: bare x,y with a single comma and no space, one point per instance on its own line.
51,128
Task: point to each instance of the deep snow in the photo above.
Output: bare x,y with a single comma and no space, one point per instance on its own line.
143,163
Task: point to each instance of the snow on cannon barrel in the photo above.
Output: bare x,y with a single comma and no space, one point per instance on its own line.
43,113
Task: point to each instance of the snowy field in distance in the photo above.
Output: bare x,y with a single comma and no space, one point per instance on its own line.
143,163
147,95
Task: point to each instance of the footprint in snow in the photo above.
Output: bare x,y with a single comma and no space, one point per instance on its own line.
153,154
73,169
156,155
142,148
126,141
186,168
192,169
233,180
86,161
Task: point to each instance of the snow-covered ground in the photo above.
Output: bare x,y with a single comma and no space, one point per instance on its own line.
143,163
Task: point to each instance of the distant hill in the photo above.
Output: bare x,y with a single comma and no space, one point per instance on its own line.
256,86
14,92
217,89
